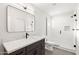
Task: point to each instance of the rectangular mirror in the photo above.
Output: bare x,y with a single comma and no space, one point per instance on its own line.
18,20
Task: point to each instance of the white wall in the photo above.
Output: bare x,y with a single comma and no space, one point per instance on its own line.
40,22
5,36
77,39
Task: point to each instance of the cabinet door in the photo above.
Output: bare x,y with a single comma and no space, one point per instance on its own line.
35,51
29,22
37,48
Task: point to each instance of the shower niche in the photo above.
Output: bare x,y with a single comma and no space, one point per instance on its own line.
19,21
67,28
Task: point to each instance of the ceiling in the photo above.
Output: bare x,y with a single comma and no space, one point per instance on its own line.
56,8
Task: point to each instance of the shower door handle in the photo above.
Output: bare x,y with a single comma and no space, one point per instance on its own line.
60,32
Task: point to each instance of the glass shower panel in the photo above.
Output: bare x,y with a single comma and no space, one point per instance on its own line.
60,31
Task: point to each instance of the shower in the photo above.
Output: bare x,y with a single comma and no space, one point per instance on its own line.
62,30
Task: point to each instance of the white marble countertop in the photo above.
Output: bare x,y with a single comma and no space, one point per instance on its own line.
12,46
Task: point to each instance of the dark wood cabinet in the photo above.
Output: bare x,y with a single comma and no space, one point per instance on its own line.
37,48
18,52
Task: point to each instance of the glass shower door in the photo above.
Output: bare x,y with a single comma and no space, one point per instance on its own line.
60,31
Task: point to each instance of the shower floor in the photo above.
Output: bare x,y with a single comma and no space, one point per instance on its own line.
57,51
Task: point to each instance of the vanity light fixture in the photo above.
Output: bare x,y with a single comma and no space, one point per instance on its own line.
22,5
25,8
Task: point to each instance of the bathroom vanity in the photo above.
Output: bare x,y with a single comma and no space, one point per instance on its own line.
21,21
30,46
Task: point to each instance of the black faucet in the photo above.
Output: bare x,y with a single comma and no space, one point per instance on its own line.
27,35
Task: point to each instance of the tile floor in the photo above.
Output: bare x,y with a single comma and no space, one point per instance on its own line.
57,51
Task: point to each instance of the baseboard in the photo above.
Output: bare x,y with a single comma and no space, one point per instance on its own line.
66,49
60,47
